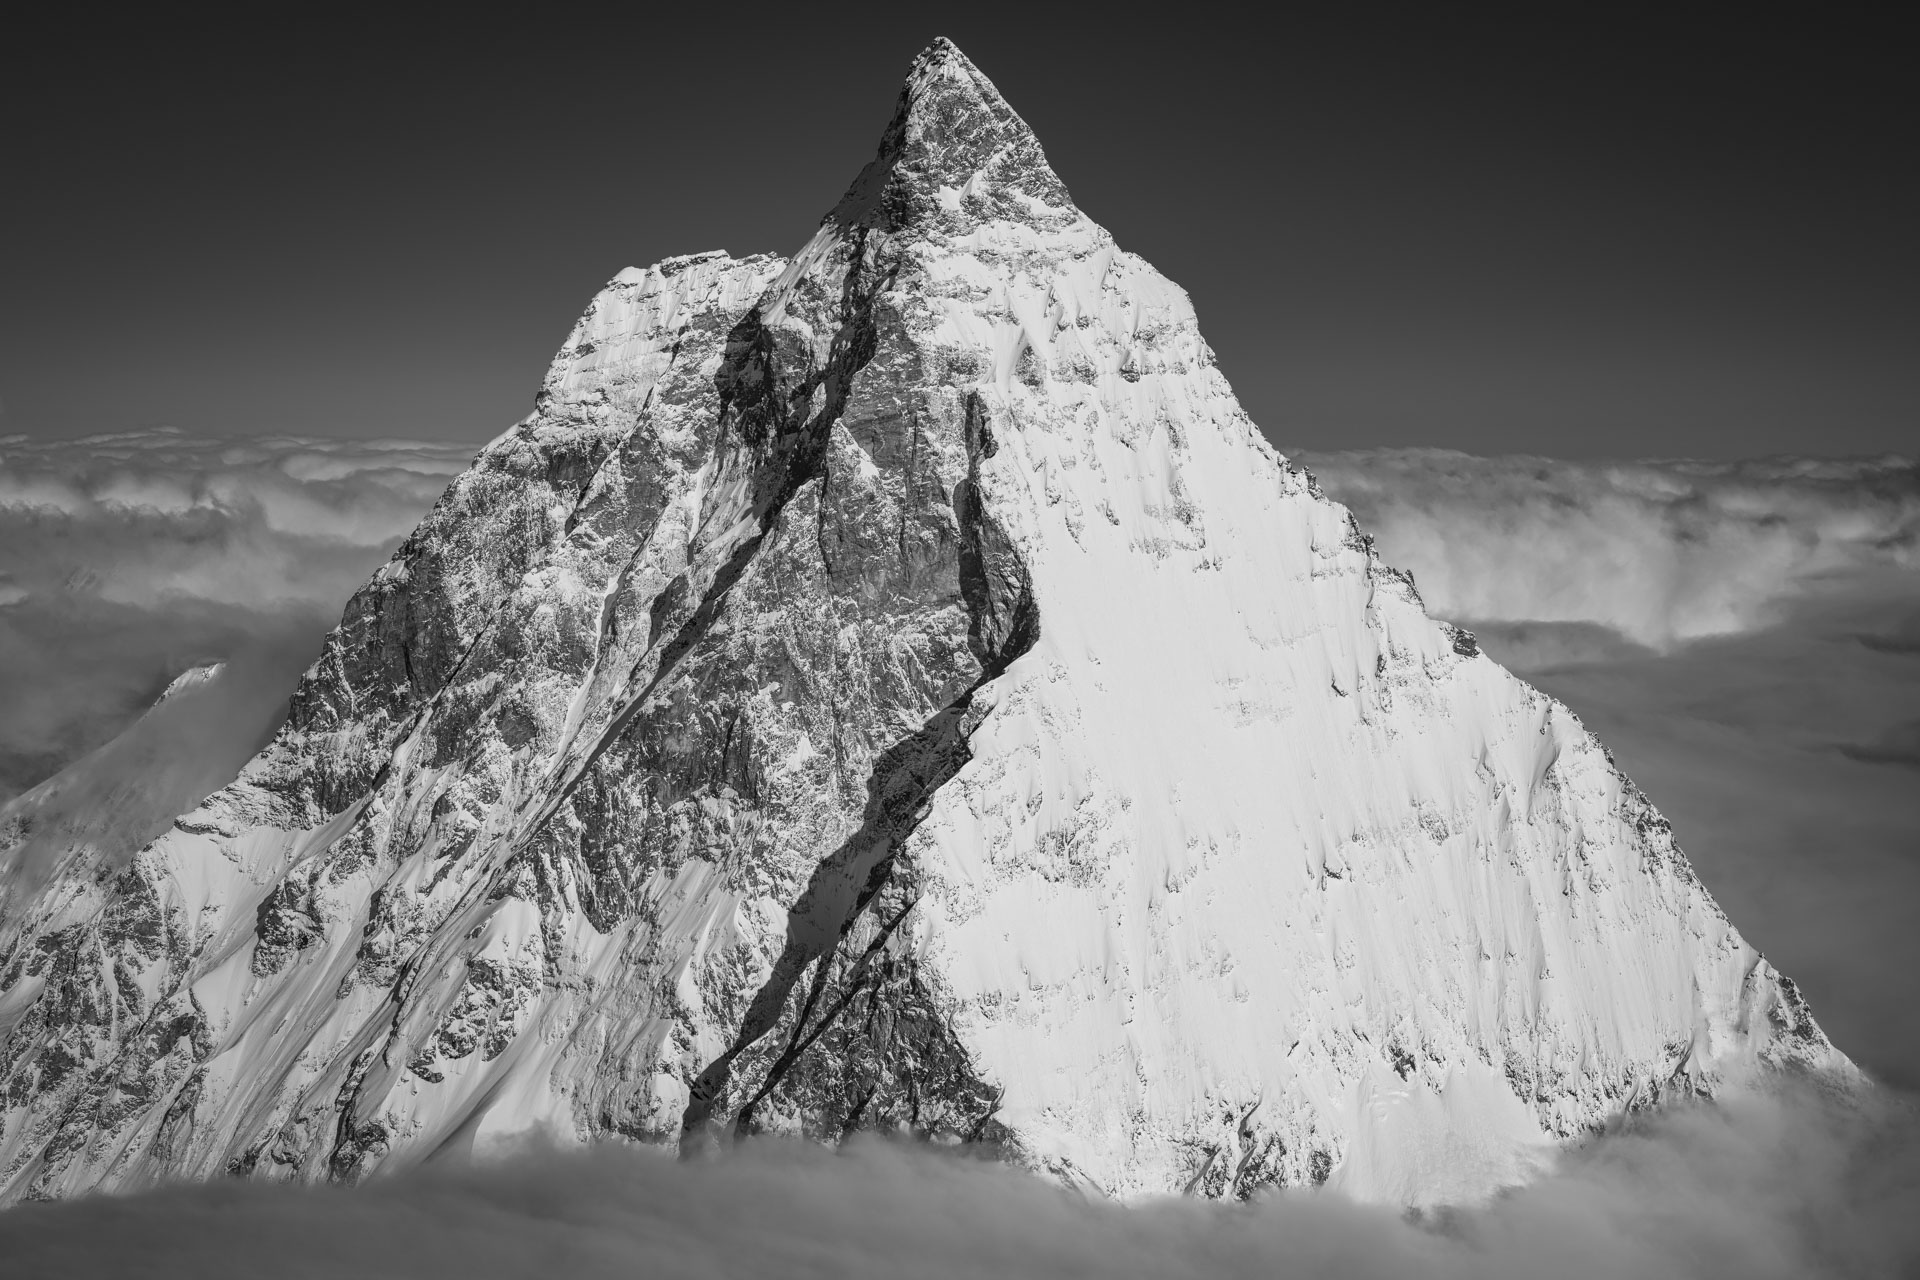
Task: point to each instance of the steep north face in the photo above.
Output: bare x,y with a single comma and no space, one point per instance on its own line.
891,688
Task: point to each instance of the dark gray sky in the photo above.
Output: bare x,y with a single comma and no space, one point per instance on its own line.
1570,233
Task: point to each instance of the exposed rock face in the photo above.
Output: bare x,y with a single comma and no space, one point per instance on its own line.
891,688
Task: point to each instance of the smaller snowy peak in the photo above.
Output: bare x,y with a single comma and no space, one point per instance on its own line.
192,678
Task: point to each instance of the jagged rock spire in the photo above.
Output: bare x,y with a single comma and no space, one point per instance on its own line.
952,131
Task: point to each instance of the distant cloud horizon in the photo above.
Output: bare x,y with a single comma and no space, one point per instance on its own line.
1660,551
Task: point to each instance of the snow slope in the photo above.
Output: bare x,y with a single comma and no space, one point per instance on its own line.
893,688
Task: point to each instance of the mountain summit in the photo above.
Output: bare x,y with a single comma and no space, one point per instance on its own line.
892,688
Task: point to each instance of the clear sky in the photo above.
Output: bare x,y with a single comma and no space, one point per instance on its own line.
1624,233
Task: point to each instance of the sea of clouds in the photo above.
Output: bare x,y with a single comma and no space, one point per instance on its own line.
1763,1187
1744,636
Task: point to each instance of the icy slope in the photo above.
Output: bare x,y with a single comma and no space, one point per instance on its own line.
893,688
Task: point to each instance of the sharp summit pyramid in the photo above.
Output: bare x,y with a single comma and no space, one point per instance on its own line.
895,688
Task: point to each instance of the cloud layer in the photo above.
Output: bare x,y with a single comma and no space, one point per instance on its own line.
1659,552
125,559
1789,1184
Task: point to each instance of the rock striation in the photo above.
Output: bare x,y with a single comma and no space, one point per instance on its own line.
896,688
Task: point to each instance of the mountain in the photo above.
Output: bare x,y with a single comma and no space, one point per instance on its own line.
894,687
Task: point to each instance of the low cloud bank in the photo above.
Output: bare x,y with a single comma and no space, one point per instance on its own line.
1788,1184
1658,552
125,559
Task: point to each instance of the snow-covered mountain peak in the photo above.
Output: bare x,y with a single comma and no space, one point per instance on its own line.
894,687
954,154
192,677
